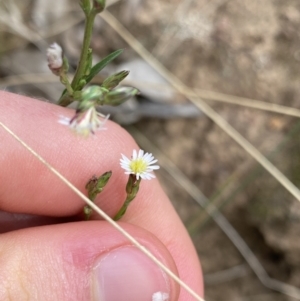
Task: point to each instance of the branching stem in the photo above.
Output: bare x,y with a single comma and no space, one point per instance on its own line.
85,48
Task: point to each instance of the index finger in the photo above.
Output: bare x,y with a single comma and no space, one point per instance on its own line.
27,186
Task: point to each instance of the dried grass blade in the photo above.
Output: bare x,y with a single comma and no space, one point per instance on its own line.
248,102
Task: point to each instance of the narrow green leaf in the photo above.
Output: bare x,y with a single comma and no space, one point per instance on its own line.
98,67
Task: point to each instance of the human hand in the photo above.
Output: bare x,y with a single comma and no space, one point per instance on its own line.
68,259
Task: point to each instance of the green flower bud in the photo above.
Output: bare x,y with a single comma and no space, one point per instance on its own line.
96,185
81,84
119,96
102,180
132,187
85,105
95,93
113,80
99,5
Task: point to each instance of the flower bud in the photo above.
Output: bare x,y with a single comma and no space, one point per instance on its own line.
55,58
119,96
93,93
113,80
99,5
96,185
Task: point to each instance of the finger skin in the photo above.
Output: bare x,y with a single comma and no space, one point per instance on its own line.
29,187
34,267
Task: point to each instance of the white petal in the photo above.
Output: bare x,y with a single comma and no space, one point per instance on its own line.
141,153
127,169
125,159
134,155
148,157
147,176
123,156
144,177
154,167
125,162
125,165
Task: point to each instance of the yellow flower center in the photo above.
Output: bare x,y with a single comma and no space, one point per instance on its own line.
138,165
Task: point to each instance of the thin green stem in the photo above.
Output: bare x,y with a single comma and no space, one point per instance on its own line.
87,210
123,209
65,81
85,48
132,188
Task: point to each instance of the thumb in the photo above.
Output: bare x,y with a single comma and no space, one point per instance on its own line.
83,261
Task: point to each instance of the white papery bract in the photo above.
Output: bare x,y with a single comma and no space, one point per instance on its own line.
86,122
141,165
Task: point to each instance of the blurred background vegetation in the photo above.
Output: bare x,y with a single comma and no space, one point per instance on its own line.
242,58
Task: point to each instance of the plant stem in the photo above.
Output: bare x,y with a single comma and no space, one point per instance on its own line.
123,209
132,188
65,81
85,47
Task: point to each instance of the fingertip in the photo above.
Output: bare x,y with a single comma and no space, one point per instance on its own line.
83,261
27,185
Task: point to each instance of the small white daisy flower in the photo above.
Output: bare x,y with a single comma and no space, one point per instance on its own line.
140,165
160,296
86,122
